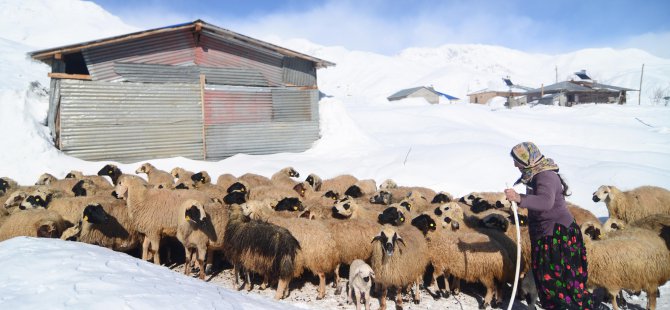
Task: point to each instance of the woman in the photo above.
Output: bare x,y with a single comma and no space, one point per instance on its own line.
558,254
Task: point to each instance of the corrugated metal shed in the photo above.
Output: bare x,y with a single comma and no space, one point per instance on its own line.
128,122
153,73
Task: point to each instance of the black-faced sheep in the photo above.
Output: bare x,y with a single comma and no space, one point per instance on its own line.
106,225
261,247
314,181
156,177
348,208
441,198
634,204
582,215
360,283
115,174
182,175
317,202
392,216
399,259
362,189
71,208
32,223
99,181
338,184
202,182
643,265
226,180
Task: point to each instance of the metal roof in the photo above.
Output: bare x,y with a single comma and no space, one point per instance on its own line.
46,54
574,87
406,92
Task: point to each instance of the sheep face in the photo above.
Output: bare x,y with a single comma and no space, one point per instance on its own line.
121,191
15,199
252,209
424,223
181,185
449,222
175,172
145,168
388,240
479,205
381,197
94,214
407,205
237,187
388,184
235,198
391,215
45,179
450,209
194,212
300,188
291,172
201,177
523,219
35,200
503,204
365,273
314,181
4,186
74,174
590,230
344,208
332,195
495,221
289,204
47,229
110,171
354,191
81,188
603,193
440,198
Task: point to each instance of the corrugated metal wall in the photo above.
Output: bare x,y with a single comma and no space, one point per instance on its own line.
156,73
219,51
299,72
172,48
259,121
128,122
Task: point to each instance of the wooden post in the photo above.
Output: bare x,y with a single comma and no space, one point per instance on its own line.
639,95
204,129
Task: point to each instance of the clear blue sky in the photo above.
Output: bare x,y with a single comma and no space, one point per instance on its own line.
388,26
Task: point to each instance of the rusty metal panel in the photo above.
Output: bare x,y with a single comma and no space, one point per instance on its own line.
157,73
257,120
128,122
224,52
299,72
171,48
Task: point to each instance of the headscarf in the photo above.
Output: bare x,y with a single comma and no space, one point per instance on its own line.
528,155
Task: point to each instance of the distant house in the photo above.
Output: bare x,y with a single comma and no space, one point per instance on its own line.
193,90
568,93
485,95
429,93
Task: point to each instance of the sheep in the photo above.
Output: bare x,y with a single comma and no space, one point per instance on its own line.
203,183
416,203
283,178
362,188
39,198
392,215
202,227
155,212
398,266
314,181
338,184
226,180
360,283
156,177
350,209
644,265
115,174
467,255
261,247
317,202
182,175
14,200
86,187
388,184
63,186
6,185
70,208
99,181
107,225
442,197
634,204
254,180
388,196
271,192
482,201
318,251
32,223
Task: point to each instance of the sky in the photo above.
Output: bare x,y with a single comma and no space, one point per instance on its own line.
387,27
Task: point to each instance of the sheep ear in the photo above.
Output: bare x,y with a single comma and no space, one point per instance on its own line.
307,215
400,239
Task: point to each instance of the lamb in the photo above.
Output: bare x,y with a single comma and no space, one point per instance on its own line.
283,178
262,248
634,204
155,212
202,227
398,266
115,174
467,255
338,184
360,283
156,177
32,223
643,266
106,225
318,251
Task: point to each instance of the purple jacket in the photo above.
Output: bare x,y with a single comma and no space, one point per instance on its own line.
546,205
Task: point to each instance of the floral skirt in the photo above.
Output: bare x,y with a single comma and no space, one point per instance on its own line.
560,269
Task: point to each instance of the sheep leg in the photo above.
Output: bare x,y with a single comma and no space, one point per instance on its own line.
187,264
322,286
456,285
367,299
489,293
202,253
248,285
145,248
416,292
336,279
210,262
350,291
398,298
382,298
266,280
651,298
357,296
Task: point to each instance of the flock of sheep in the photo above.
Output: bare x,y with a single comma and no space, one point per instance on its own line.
389,235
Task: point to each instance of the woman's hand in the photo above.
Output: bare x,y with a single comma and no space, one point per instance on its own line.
512,195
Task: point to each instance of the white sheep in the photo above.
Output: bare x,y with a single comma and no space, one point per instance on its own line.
634,204
360,283
284,178
225,180
314,181
32,223
155,176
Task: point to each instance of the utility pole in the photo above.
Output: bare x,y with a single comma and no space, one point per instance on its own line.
639,95
556,68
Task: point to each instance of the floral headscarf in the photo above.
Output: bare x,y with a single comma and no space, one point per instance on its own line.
532,161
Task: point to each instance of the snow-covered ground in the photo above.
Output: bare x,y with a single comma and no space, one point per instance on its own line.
456,148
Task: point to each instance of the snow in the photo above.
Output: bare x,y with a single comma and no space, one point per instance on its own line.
456,147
